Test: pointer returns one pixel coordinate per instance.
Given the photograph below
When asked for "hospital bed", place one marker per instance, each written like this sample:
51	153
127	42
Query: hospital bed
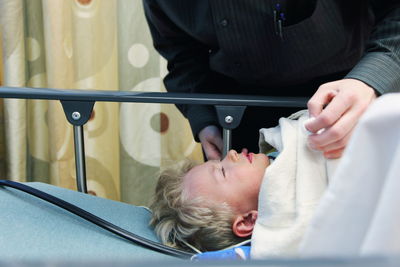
35	231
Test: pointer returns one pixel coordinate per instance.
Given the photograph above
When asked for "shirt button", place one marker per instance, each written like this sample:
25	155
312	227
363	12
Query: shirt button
224	22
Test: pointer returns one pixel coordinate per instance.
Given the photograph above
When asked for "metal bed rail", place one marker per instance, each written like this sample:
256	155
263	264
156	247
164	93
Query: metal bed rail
78	105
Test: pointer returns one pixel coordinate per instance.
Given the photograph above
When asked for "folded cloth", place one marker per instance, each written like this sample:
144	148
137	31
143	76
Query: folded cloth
291	188
359	215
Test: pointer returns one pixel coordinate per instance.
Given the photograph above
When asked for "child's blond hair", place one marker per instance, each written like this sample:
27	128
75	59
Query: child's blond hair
179	220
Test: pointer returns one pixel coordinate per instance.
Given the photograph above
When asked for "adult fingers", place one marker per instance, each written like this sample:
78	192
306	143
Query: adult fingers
332	112
212	152
334	134
335	154
218	142
339	144
322	97
211	142
213	146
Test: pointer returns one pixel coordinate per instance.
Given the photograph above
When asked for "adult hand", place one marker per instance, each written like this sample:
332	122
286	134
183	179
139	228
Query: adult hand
344	101
211	141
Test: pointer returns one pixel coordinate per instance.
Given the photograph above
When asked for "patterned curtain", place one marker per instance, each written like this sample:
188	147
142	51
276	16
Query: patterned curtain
86	44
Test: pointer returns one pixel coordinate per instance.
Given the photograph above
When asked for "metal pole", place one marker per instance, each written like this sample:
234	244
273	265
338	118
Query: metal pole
227	139
80	159
150	97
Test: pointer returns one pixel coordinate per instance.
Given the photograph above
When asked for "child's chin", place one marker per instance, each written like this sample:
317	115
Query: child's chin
263	157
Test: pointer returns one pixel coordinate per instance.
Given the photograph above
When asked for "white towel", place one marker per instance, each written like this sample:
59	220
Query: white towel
359	214
291	189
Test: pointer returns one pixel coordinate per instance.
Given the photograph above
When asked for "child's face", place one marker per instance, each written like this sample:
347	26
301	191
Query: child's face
235	180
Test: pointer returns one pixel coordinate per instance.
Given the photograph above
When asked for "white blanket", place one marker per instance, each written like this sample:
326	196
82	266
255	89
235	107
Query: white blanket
359	215
291	189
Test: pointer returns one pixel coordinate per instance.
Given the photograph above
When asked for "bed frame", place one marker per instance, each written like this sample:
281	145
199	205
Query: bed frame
78	106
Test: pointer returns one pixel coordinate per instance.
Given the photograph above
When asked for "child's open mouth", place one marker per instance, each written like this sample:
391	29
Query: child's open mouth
249	156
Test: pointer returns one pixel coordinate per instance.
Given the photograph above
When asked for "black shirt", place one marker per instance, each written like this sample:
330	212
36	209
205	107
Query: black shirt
232	46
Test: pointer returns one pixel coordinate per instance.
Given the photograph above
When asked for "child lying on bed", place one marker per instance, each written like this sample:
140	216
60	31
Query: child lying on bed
218	204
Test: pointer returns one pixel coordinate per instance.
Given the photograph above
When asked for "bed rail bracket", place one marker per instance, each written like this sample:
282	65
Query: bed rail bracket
229	117
78	113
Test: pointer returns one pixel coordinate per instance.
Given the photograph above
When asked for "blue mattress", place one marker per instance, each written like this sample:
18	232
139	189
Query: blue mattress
32	229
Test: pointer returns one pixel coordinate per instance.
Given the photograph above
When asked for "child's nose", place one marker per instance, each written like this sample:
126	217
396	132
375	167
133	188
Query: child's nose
233	155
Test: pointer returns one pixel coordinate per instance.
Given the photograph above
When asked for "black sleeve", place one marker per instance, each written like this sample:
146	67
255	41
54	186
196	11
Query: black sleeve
188	64
380	65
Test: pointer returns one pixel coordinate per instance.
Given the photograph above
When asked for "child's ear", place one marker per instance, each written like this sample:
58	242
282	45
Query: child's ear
243	224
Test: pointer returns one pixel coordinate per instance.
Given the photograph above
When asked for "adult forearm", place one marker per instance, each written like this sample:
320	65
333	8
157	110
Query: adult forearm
380	66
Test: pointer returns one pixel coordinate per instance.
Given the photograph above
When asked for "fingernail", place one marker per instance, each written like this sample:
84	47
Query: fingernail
312	146
330	155
306	122
310	119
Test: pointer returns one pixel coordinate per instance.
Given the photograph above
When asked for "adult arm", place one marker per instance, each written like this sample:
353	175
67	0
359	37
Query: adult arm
188	71
378	72
380	66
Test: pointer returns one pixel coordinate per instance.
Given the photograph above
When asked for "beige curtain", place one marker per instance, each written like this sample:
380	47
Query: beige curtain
86	44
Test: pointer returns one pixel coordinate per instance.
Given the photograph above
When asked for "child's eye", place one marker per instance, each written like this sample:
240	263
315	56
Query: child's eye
223	171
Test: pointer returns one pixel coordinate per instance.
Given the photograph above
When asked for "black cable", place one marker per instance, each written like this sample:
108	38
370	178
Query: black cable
98	221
